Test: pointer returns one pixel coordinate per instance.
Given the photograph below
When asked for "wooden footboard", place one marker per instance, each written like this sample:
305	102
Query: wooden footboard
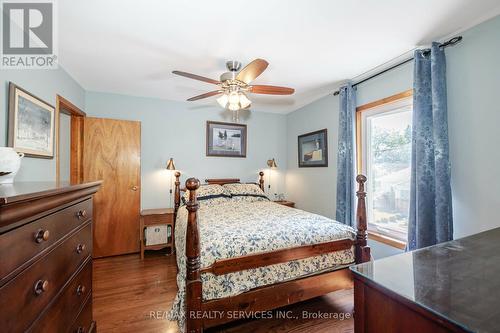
268	297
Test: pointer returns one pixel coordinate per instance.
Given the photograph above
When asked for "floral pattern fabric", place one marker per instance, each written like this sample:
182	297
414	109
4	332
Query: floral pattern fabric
246	192
209	195
431	214
345	211
238	228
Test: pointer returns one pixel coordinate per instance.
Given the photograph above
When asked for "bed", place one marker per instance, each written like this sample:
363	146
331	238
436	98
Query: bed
239	257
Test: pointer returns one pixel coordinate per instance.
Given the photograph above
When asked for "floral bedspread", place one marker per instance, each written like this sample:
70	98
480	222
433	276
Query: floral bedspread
234	229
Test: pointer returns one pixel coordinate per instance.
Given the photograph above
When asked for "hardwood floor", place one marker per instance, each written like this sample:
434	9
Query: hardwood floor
131	295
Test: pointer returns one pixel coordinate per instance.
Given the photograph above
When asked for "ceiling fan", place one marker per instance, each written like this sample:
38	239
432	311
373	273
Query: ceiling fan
235	85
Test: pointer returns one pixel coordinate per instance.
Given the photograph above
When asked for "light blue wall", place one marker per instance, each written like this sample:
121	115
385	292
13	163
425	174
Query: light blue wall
313	189
177	129
45	84
473	69
390	83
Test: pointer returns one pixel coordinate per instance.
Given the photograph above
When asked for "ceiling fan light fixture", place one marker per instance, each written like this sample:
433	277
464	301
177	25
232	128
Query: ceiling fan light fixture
234	101
234	97
223	100
233	106
244	101
235	85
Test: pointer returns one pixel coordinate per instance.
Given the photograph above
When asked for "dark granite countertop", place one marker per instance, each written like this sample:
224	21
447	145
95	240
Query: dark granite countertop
458	280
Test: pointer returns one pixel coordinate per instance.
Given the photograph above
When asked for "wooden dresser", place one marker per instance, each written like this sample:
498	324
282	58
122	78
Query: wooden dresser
46	257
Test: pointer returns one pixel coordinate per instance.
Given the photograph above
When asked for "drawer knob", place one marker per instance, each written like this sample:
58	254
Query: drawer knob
41	286
42	236
80	290
81	214
80	248
80	329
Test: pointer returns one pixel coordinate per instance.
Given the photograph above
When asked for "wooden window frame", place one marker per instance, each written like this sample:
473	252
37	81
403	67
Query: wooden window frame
359	158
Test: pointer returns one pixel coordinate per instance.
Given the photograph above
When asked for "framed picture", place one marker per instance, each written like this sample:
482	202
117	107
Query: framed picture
313	149
226	139
31	124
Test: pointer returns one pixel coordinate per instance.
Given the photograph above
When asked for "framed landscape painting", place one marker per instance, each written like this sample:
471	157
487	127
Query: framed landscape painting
31	124
226	139
313	149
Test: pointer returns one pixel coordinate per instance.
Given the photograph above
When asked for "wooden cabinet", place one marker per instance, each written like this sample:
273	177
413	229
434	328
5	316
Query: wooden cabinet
285	203
160	218
448	287
46	265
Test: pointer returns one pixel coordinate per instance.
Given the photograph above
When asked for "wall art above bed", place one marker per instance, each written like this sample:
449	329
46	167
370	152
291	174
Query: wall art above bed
31	124
313	149
226	139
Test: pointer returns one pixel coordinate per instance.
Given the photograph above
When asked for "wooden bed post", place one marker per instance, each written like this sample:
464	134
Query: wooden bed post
362	250
194	323
177	194
261	181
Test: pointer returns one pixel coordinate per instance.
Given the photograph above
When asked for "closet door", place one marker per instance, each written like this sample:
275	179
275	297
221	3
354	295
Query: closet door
112	153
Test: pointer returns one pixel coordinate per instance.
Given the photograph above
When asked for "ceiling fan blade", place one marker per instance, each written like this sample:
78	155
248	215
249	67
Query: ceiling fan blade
271	90
252	70
196	77
205	95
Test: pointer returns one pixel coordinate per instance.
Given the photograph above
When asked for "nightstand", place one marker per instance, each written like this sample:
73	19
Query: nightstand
285	203
157	230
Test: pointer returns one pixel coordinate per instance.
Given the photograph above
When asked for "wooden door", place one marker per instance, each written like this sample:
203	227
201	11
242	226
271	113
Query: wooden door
112	152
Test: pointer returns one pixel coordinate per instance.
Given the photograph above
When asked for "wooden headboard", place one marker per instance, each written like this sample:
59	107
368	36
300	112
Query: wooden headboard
222	181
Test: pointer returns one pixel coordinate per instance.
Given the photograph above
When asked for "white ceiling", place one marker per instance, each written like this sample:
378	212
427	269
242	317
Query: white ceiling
131	47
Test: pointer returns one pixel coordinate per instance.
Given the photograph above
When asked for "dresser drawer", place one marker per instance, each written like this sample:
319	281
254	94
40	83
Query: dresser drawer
84	323
63	312
29	241
34	288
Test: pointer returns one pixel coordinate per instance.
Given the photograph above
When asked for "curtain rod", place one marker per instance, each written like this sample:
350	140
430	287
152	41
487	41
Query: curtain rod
450	42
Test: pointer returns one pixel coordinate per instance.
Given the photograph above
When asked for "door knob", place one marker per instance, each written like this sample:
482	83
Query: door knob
134	188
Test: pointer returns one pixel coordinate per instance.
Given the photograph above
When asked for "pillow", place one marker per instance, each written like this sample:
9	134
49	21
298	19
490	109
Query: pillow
209	194
246	192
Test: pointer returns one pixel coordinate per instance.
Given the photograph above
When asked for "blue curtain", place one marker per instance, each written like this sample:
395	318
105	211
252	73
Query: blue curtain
430	219
346	156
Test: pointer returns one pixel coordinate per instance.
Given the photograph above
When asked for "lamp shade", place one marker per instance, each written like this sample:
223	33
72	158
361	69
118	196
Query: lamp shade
272	164
222	100
170	164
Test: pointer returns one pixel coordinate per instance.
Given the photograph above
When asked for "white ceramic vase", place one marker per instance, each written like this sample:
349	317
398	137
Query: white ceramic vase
10	162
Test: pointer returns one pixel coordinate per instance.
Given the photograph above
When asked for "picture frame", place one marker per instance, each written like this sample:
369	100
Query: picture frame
313	149
226	139
31	124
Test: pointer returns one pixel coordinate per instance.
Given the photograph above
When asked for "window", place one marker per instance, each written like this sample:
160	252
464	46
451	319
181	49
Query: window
384	153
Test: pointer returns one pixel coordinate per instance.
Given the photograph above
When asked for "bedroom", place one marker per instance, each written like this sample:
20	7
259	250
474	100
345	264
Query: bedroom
118	114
